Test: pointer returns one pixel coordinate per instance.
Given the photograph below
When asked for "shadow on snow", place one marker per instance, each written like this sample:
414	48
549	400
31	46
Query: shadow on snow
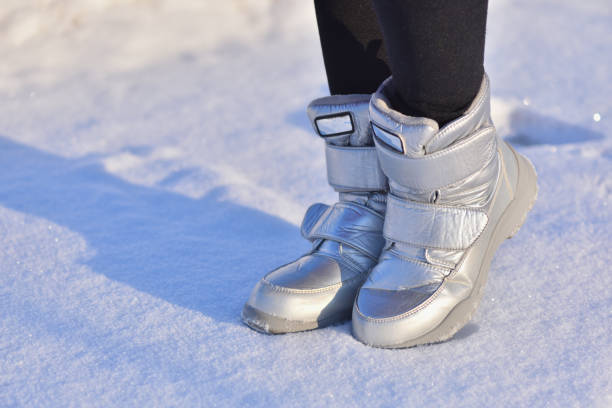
204	254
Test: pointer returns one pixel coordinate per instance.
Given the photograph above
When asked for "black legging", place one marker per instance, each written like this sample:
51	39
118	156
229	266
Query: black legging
434	48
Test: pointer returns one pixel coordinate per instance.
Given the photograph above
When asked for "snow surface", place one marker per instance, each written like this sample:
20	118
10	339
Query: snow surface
156	161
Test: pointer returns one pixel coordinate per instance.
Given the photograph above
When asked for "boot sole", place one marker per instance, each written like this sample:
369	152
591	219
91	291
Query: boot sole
510	222
269	324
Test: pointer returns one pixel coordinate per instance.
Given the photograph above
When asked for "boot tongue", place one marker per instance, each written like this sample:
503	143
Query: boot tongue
342	120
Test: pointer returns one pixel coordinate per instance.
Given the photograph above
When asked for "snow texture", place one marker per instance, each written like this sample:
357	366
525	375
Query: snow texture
156	162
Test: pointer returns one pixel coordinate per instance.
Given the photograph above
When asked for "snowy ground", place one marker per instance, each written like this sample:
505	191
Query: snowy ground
156	160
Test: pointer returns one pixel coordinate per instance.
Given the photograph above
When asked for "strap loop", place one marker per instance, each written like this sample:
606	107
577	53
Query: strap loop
348	223
431	225
354	169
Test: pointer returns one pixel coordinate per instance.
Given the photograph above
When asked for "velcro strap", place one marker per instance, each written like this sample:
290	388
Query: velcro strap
433	226
441	168
313	213
351	224
354	169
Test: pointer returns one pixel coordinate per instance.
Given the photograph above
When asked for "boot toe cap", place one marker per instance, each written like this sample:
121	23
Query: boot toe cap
382	303
308	293
396	318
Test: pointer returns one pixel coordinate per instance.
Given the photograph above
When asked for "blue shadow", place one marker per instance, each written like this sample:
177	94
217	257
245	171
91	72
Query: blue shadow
204	254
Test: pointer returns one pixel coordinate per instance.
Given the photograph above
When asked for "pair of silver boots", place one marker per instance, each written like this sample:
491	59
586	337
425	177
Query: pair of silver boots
407	248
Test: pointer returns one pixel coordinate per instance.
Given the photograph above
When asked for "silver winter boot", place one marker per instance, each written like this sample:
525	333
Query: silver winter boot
320	287
455	194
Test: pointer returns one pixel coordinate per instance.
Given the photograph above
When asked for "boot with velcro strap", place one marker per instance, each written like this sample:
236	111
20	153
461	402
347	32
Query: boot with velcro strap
319	288
455	194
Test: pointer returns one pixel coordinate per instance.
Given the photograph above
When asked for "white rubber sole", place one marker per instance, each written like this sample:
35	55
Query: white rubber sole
269	324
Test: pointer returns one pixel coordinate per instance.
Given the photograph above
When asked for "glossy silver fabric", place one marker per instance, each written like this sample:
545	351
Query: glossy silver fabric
354	169
312	216
416	273
319	288
306	305
442	226
350	224
432	225
347	239
442	168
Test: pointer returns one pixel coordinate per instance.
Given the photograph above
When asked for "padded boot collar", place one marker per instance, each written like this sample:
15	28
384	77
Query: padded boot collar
415	154
413	136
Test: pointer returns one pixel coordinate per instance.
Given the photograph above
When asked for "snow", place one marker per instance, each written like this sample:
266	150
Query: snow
156	162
